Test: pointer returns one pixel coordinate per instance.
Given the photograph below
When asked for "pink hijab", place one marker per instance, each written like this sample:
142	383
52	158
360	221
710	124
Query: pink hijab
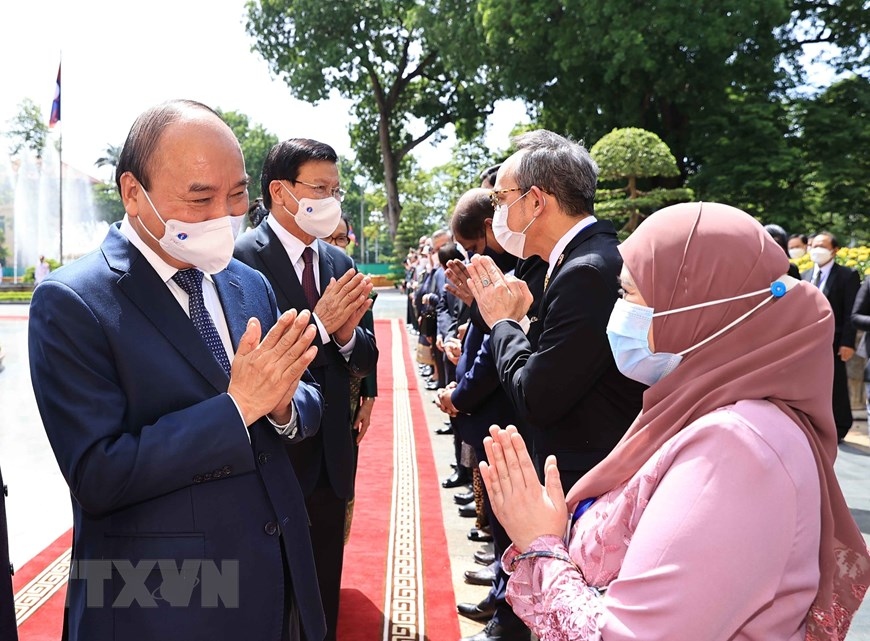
697	252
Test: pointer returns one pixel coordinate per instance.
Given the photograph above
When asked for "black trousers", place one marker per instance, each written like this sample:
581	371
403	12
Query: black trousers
842	404
327	512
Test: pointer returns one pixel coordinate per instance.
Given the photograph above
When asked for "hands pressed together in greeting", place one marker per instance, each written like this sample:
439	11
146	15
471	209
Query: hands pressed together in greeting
343	304
525	508
265	375
498	296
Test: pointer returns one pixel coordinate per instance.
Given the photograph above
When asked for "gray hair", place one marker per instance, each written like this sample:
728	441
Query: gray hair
559	166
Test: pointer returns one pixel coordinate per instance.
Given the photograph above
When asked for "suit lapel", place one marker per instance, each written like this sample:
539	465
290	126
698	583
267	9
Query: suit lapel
280	270
141	284
232	298
326	268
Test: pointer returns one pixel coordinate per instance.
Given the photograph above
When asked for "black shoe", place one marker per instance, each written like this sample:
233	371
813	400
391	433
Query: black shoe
468	510
495	632
463	498
484	557
459	477
483	576
444	430
481	535
482	611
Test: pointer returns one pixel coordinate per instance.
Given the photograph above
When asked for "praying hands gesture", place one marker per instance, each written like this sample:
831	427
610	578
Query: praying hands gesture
498	296
343	304
265	374
456	283
521	504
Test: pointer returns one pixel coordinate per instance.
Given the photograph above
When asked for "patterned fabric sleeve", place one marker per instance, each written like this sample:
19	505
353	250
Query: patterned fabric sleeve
551	596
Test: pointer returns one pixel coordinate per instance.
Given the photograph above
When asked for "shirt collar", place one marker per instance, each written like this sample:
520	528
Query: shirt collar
827	267
292	245
567	238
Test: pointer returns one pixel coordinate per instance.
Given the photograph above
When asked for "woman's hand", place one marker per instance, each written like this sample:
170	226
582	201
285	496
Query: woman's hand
522	505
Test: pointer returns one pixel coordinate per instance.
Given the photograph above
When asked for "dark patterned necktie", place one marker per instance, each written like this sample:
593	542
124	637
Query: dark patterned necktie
308	284
817	277
190	281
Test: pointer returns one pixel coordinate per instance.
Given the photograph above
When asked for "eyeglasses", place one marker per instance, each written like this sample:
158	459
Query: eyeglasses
496	194
340	240
322	190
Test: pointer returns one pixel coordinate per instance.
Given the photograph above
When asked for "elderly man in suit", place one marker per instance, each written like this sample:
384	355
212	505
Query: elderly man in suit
840	285
167	413
301	190
563	382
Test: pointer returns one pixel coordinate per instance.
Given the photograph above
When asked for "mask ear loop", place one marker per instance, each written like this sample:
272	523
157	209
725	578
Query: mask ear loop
777	289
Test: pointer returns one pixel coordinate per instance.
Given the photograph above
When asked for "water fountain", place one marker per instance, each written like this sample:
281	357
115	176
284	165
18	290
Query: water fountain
34	186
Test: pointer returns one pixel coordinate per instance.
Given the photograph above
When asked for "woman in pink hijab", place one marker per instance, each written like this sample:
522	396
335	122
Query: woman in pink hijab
718	515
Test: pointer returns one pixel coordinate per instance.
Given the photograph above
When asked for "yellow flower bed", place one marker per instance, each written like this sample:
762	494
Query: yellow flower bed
858	258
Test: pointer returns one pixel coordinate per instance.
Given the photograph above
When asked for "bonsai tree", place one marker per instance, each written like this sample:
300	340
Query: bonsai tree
626	155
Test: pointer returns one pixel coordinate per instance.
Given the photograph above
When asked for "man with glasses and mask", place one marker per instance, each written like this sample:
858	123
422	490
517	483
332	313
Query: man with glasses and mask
167	413
300	187
562	379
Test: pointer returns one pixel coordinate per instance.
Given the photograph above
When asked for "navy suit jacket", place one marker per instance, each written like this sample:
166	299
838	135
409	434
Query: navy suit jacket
157	458
478	394
333	445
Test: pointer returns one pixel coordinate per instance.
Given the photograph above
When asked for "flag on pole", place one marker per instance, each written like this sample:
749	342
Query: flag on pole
350	235
55	106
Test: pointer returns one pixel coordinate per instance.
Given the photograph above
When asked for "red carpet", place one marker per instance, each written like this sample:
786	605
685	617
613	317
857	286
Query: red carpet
366	563
396	560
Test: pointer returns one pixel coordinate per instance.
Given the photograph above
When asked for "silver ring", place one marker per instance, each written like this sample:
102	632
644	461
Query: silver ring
485	282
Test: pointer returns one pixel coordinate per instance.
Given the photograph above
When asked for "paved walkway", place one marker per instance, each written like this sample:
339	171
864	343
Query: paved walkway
38	504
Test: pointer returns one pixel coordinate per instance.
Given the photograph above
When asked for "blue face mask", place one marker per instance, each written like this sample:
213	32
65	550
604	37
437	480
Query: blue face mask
628	333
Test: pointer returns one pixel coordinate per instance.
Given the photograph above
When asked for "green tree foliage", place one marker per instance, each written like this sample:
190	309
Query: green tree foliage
108	202
109	158
748	157
624	155
407	66
4	250
255	141
835	141
27	130
600	65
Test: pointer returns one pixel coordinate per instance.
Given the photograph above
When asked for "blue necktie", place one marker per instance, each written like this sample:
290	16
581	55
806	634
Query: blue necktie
190	281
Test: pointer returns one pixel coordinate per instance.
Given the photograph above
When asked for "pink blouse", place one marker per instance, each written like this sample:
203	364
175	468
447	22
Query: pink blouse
715	537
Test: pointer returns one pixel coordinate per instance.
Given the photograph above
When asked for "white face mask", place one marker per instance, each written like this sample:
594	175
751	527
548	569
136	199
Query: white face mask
628	333
513	242
316	217
821	256
207	245
797	252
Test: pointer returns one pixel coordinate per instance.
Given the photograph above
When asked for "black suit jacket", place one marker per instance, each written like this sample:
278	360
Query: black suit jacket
333	445
840	288
563	380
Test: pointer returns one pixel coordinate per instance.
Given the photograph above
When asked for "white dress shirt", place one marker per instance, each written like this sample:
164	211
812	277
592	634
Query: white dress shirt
212	304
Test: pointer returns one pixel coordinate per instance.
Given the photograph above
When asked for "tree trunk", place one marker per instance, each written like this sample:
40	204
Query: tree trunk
391	173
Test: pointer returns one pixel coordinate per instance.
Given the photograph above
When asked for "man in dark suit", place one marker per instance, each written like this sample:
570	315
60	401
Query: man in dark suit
300	186
565	384
840	285
478	401
167	414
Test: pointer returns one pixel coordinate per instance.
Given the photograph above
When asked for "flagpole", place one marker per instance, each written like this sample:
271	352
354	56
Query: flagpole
60	193
60	172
